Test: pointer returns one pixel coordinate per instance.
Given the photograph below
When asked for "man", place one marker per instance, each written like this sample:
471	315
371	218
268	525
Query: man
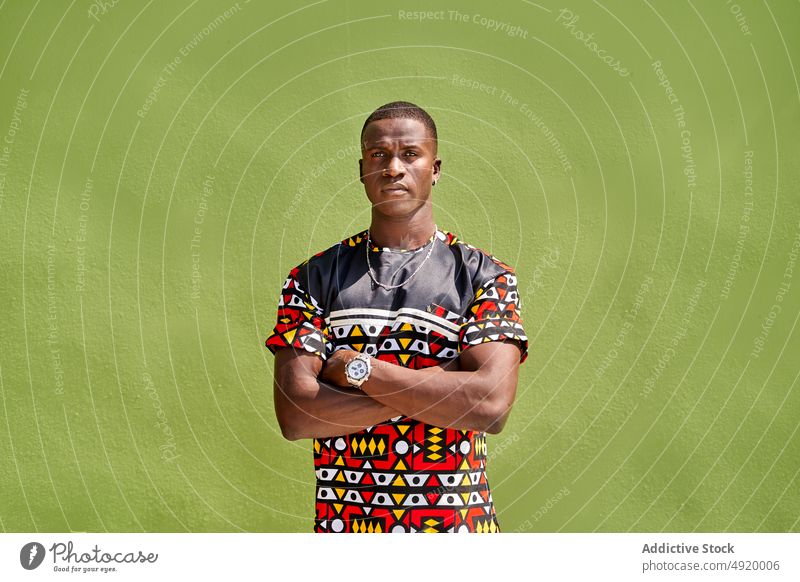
389	352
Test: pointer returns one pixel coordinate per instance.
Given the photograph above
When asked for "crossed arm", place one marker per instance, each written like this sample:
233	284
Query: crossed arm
474	392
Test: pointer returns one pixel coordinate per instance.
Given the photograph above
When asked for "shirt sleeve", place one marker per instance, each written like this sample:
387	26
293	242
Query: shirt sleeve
300	319
494	315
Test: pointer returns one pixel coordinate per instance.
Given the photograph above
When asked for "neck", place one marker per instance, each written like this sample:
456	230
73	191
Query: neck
407	232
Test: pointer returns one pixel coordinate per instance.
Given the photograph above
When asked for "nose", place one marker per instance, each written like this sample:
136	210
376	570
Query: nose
394	168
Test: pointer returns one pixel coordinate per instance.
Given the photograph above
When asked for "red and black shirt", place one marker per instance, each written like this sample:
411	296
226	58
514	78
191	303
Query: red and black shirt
401	475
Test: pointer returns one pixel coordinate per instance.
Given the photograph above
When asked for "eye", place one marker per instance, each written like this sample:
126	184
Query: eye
411	153
376	154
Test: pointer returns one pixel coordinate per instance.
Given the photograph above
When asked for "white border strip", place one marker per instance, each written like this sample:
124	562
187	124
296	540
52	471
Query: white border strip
334	558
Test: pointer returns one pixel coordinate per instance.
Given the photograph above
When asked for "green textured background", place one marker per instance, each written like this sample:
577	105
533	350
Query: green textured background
660	393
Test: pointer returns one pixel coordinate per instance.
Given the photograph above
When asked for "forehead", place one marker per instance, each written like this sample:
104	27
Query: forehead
397	130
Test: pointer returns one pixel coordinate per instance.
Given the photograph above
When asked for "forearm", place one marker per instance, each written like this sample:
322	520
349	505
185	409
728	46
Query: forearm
455	399
325	411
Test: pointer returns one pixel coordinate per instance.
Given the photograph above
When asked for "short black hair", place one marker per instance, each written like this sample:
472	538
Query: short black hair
402	109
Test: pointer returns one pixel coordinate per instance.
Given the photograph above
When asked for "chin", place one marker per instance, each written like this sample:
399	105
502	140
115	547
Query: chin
395	204
397	208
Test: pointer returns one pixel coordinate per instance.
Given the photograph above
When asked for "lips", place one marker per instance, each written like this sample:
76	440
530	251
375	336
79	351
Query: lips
395	189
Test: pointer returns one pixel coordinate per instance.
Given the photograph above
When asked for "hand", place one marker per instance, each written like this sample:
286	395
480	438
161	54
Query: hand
333	370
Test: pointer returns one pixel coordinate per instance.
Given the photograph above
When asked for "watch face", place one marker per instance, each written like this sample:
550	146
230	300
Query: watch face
357	369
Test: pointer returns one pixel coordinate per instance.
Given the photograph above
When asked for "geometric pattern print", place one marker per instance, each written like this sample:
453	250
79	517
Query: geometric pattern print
300	323
494	315
403	476
407	337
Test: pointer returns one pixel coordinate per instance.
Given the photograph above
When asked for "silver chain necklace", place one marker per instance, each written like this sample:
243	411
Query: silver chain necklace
411	276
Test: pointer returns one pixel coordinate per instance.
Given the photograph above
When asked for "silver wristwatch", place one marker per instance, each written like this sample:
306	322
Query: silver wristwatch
357	370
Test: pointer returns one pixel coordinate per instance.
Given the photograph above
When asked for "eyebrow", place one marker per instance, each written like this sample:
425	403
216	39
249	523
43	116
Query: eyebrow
405	145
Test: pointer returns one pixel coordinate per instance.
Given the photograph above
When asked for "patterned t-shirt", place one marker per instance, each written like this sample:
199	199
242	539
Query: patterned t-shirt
401	475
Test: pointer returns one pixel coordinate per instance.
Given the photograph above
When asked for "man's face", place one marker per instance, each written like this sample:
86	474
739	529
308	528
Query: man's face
398	165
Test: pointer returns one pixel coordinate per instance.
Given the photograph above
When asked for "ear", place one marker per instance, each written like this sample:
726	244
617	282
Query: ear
437	168
361	171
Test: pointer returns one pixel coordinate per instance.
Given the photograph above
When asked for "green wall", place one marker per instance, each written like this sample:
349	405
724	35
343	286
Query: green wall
164	164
